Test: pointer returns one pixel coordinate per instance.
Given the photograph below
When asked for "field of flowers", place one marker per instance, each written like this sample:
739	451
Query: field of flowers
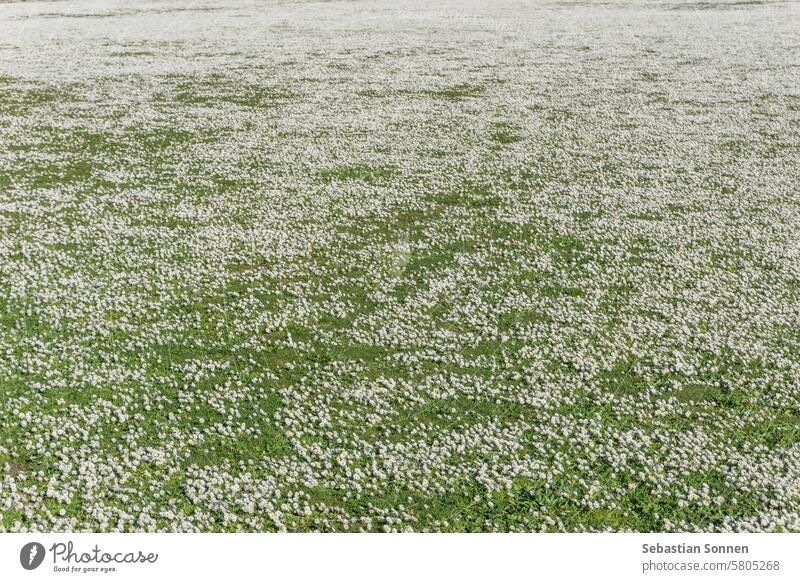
400	265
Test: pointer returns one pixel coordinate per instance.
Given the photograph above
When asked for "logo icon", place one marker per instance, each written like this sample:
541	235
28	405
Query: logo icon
32	555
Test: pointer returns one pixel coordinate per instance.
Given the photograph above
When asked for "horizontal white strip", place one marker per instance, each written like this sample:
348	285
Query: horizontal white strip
374	557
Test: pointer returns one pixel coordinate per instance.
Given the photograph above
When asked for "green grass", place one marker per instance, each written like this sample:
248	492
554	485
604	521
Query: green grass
495	312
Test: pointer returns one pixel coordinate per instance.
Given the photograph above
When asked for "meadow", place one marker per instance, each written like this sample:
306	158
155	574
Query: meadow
399	266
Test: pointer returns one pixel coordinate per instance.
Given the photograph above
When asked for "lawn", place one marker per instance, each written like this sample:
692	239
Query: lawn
399	266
